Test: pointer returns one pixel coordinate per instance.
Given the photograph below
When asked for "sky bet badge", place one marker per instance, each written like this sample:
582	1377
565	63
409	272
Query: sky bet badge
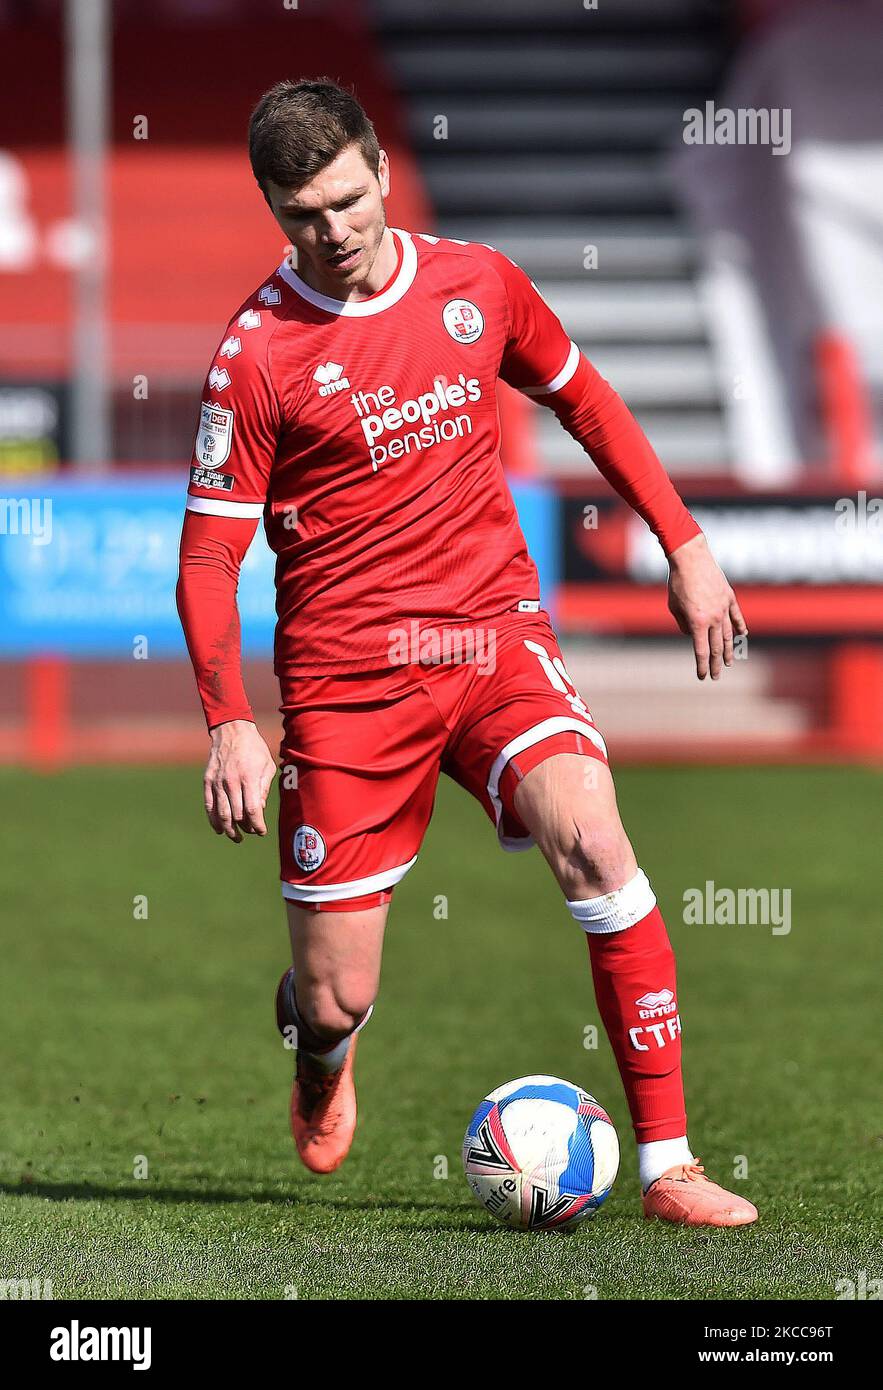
215	435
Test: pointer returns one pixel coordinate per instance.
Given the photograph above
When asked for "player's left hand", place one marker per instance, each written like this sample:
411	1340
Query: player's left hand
704	606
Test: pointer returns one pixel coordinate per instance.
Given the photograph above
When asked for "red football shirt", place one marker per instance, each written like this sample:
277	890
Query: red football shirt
367	435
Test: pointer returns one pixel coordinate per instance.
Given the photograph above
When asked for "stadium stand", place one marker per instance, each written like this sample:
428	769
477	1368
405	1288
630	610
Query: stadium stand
557	126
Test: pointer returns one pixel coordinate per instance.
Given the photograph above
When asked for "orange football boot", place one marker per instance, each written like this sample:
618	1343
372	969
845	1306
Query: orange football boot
323	1112
685	1195
323	1104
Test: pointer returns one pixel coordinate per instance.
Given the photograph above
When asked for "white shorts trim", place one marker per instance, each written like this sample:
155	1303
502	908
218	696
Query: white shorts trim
209	506
558	381
355	888
558	725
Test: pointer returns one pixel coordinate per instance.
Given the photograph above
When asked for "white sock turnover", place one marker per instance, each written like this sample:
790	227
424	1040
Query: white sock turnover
659	1155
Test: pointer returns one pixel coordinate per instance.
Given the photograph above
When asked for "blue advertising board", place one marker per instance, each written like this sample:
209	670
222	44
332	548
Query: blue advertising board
88	566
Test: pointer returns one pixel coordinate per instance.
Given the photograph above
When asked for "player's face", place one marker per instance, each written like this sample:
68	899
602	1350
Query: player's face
336	221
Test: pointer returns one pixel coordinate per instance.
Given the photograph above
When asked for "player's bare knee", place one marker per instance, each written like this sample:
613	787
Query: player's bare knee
598	859
334	1011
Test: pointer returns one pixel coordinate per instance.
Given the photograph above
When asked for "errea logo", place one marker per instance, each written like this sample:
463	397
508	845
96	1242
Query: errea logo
656	1003
331	379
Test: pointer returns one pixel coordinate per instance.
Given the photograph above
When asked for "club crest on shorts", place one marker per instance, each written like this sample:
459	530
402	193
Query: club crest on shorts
309	848
463	320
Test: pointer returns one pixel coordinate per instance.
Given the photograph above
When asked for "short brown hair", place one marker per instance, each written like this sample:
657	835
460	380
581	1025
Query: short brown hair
297	128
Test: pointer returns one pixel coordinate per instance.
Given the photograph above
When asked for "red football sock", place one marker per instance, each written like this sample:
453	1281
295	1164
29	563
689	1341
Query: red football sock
634	975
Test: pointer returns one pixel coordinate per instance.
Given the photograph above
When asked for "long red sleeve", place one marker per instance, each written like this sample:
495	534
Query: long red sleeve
599	420
212	550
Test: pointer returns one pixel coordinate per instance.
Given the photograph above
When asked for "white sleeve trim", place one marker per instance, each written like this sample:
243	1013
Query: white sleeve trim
211	506
558	381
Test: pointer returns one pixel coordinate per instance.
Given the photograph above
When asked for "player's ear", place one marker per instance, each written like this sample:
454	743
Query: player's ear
383	173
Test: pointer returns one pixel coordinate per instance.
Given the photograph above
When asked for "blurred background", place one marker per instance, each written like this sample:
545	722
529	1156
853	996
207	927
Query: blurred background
697	189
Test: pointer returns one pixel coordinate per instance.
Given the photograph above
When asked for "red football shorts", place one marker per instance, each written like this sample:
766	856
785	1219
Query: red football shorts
362	752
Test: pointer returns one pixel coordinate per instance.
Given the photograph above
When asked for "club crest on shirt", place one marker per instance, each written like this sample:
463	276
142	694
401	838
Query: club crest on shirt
214	437
463	320
309	848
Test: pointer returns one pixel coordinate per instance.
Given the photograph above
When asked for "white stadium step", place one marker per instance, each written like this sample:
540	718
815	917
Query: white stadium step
605	665
658	376
598	183
695	717
559	119
691	443
556	246
664	311
646	690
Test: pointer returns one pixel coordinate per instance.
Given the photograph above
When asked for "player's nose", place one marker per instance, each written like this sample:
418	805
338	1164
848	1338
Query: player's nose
334	233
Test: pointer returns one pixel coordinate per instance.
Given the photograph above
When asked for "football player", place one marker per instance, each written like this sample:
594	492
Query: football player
352	405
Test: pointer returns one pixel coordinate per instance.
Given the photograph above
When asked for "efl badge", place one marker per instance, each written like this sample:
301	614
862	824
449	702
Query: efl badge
309	848
463	320
215	435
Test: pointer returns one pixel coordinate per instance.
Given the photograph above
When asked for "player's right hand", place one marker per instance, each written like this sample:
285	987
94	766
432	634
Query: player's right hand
238	777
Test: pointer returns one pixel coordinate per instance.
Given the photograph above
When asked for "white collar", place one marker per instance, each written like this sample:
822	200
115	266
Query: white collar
360	308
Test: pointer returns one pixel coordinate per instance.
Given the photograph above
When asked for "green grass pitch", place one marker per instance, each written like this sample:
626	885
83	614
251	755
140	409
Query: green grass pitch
143	1092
